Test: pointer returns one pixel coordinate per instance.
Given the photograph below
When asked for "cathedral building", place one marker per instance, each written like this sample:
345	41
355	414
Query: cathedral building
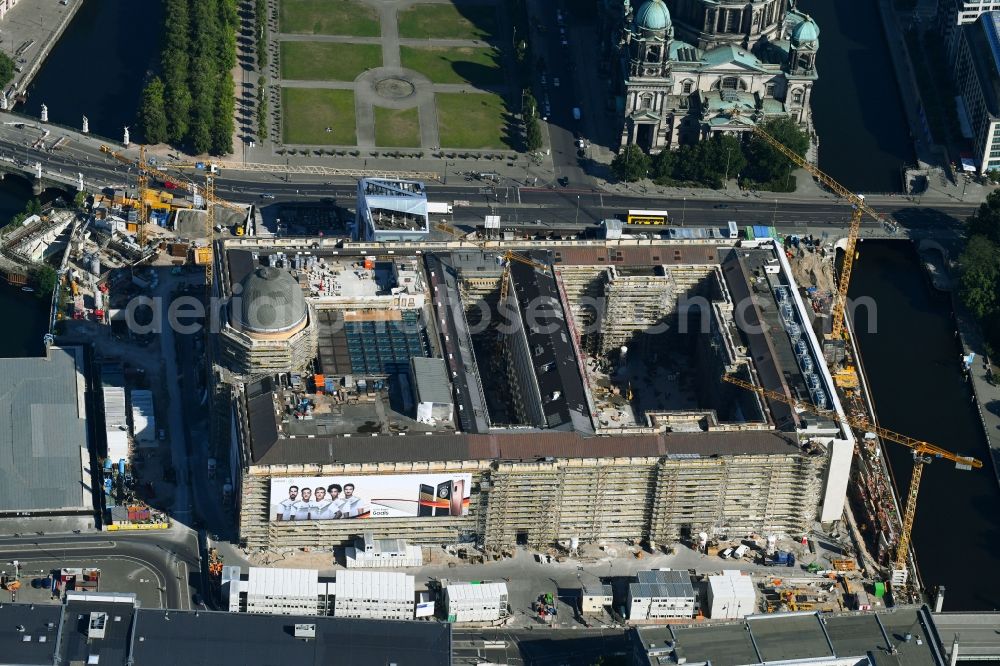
694	67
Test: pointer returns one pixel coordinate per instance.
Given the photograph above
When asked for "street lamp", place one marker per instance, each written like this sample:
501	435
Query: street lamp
577	219
774	213
684	211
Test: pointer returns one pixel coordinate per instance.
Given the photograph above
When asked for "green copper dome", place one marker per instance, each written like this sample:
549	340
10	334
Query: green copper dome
652	15
807	31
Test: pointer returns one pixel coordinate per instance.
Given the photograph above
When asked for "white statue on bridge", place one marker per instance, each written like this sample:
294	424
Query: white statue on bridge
126	137
86	125
45	114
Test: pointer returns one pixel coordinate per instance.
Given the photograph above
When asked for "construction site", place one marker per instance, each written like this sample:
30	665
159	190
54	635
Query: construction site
583	395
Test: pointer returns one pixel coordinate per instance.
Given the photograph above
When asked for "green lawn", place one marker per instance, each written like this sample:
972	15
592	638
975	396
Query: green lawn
471	120
320	61
397	128
328	17
446	21
307	112
477	66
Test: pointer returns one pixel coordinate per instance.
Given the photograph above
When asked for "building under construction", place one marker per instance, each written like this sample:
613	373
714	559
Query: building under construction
587	396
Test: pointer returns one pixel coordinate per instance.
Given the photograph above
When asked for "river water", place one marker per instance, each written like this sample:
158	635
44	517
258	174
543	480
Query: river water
912	364
99	66
857	112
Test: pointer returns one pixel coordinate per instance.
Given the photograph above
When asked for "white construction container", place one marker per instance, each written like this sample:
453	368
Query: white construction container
374	594
476	602
731	596
143	418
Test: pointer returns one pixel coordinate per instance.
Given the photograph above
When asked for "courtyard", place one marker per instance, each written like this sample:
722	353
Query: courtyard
396	74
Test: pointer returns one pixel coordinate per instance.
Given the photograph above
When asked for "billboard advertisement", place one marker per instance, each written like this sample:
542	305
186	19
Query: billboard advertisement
382	496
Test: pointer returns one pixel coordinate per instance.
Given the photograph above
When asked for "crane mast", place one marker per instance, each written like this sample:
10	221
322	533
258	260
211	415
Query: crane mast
923	453
143	186
857	201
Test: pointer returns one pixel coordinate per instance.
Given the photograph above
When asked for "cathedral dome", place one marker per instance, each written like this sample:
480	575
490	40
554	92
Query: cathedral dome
806	31
652	15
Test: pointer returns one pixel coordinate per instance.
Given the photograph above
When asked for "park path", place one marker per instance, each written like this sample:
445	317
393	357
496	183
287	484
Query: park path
390	35
367	92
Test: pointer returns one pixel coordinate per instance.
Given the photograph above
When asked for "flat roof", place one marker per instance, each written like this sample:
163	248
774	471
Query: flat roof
114	647
663	584
43	433
38	642
723	645
270	448
201	637
431	379
797	637
277	583
552	355
789	637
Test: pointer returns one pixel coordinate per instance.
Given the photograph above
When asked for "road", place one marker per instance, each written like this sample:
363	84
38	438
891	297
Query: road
171	555
513	200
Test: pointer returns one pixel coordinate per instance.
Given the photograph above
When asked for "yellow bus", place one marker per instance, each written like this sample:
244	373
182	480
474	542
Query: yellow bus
648	217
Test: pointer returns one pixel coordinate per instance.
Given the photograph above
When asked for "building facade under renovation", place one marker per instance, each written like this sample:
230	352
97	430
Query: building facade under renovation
568	423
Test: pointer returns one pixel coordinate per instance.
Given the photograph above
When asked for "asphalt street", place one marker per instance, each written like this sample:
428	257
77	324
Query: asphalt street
171	555
514	201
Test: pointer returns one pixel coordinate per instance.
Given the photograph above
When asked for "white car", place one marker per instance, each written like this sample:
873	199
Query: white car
555	82
580	144
564	42
544	80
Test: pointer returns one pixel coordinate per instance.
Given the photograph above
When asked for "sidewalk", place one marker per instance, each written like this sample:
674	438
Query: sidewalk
987	395
36	22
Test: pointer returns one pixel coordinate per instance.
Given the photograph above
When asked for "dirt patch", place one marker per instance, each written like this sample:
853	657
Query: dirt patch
813	269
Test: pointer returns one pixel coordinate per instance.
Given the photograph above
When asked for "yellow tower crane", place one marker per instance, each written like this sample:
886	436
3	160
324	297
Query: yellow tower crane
143	183
860	210
923	453
145	171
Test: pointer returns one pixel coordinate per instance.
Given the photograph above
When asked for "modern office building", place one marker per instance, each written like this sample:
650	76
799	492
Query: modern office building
391	210
953	14
977	79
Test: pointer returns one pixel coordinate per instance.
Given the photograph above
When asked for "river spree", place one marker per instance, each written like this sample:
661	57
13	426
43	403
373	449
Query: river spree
912	364
99	66
864	140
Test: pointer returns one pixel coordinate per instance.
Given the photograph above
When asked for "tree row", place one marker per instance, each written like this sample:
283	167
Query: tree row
191	103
